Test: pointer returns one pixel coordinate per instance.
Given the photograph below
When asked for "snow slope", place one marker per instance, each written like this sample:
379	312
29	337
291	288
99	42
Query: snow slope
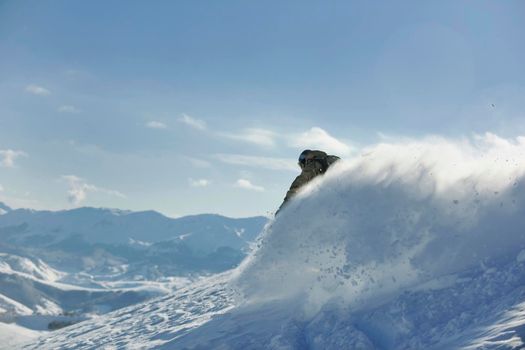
38	269
153	323
11	336
106	268
32	296
417	244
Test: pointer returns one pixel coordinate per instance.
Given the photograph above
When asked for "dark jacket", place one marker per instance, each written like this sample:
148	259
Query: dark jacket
315	164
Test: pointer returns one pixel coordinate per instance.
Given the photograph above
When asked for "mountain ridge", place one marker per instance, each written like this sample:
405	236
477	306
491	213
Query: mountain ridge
105	225
4	208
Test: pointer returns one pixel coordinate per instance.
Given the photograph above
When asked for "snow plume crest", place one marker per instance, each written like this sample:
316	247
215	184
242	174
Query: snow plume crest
396	216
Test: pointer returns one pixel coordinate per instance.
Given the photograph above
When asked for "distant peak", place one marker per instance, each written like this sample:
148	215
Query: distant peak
4	207
112	211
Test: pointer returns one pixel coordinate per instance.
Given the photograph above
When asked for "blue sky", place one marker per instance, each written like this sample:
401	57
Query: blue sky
189	107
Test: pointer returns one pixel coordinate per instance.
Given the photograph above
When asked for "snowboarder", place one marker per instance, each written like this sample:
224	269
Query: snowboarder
313	163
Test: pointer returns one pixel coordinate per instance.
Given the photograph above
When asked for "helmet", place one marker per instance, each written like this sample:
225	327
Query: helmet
302	158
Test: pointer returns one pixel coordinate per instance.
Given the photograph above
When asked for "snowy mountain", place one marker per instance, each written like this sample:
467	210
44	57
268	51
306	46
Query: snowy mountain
59	268
11	264
417	245
32	298
204	233
139	245
32	287
4	208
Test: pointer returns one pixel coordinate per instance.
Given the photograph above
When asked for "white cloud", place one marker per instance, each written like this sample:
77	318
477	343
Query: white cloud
79	189
193	122
199	182
68	109
314	138
8	157
1	188
259	162
319	139
247	185
156	125
37	90
260	137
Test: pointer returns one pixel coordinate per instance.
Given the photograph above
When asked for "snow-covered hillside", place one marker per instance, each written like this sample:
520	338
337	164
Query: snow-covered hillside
4	209
128	245
58	268
32	296
411	245
38	269
12	335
